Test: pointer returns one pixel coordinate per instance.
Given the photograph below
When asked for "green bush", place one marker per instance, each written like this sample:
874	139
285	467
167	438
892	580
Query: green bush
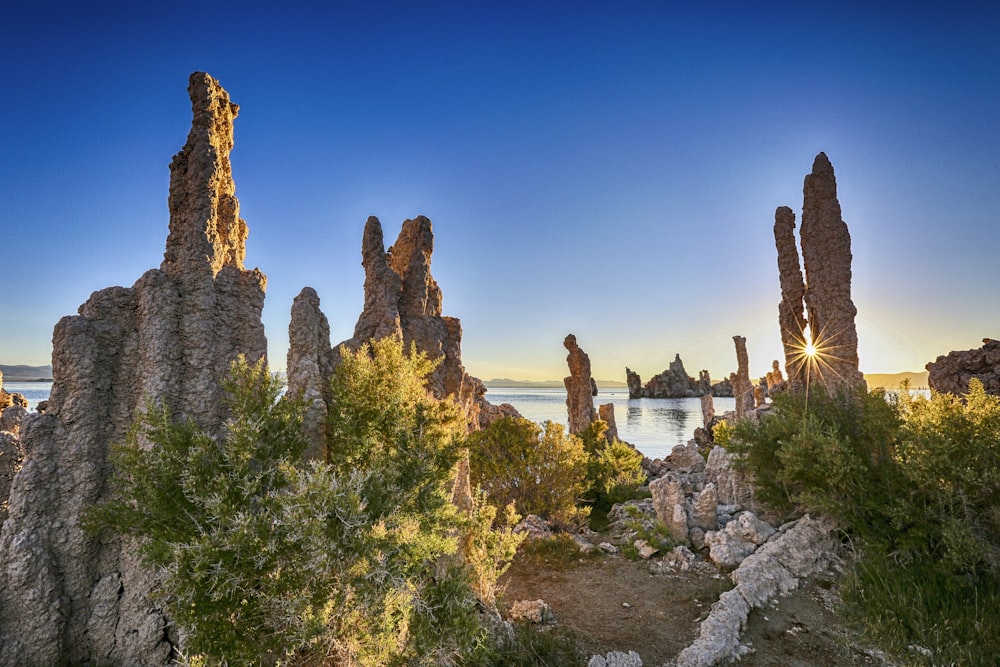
264	559
823	452
488	546
614	469
916	483
541	472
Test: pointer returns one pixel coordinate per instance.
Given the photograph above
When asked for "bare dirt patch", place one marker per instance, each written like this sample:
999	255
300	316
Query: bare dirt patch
614	604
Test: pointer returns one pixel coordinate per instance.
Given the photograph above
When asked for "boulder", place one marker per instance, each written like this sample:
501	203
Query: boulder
951	373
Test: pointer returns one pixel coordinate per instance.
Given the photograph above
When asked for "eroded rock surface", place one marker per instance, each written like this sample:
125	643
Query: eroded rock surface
951	373
402	299
67	596
796	551
742	387
579	397
826	288
309	366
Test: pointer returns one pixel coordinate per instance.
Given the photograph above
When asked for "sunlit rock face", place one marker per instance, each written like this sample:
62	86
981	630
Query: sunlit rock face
67	596
825	290
742	387
952	372
579	395
402	299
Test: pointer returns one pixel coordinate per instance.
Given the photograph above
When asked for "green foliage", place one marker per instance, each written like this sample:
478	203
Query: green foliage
264	559
541	473
822	452
614	469
488	546
529	646
916	482
651	531
559	549
949	448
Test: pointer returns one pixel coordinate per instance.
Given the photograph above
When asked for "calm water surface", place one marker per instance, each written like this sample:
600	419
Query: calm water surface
653	425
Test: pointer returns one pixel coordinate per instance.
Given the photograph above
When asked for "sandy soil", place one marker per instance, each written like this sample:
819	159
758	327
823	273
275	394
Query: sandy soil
614	604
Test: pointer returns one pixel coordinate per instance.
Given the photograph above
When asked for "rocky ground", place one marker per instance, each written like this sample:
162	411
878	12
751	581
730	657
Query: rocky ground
615	604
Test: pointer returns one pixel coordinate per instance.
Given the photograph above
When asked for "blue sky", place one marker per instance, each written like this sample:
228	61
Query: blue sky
605	169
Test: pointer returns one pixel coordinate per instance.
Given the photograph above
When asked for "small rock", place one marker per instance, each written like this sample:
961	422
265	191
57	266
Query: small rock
616	659
607	548
646	551
532	611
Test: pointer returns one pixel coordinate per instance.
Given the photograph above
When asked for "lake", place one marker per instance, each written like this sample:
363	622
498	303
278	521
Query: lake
653	425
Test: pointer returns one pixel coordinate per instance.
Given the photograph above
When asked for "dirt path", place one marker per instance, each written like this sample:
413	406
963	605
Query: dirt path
614	604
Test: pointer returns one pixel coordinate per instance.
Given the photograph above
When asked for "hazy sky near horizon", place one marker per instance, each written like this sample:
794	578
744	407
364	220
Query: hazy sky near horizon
605	169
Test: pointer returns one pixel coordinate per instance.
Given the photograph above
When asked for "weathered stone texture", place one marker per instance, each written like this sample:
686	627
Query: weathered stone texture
951	373
579	398
826	257
791	310
309	366
634	383
67	596
403	300
825	290
742	387
606	411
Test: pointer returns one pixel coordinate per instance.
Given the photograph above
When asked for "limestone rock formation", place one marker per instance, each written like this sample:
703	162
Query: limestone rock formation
951	373
67	596
774	379
606	412
309	366
742	387
634	383
11	456
826	289
791	310
796	551
402	299
8	400
579	399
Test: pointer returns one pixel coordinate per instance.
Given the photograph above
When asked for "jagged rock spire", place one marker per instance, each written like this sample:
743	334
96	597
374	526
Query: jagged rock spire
791	310
68	596
579	396
826	290
206	231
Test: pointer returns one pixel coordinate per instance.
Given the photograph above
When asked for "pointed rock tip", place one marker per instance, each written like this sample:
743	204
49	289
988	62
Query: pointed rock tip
569	342
822	164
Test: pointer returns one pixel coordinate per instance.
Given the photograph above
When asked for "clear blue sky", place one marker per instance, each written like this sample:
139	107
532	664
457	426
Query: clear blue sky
606	169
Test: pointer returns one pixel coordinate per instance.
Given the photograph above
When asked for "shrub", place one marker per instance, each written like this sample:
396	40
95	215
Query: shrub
823	452
614	469
916	482
266	559
540	472
488	546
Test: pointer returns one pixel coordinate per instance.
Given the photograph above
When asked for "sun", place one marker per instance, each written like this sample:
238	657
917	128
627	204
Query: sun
810	350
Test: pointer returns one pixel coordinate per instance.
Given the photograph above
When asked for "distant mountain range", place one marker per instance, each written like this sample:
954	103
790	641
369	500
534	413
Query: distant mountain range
26	373
893	380
545	384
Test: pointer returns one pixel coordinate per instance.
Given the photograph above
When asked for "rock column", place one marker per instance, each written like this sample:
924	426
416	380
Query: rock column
66	595
579	399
